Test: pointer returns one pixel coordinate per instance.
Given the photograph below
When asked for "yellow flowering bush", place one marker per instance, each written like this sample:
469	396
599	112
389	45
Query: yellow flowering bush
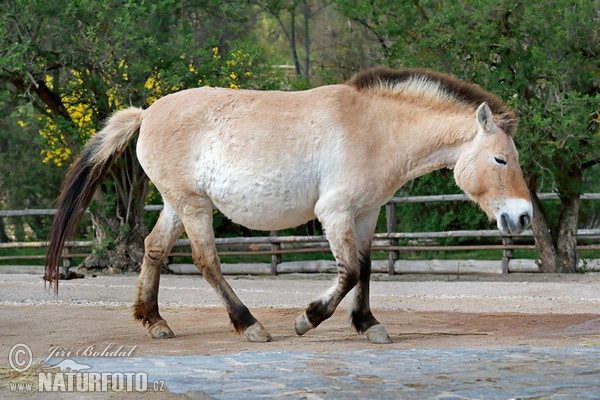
58	148
235	69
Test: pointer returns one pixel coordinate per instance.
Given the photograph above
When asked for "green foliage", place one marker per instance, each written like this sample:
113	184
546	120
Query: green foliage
25	181
76	62
558	139
70	65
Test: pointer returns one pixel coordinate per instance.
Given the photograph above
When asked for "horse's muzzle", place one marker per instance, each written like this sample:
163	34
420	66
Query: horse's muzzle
515	216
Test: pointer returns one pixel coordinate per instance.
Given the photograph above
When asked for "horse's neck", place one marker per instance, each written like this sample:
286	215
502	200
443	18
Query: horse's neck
431	140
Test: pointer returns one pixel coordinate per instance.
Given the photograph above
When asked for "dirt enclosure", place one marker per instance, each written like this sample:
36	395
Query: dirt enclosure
207	331
422	314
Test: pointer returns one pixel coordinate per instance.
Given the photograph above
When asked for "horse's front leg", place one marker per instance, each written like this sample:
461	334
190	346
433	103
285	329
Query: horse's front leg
362	318
339	229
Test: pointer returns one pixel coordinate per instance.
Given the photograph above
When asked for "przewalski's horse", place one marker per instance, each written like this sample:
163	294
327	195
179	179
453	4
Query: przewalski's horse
273	160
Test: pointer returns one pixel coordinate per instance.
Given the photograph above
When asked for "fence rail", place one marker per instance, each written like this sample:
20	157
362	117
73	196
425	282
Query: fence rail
276	245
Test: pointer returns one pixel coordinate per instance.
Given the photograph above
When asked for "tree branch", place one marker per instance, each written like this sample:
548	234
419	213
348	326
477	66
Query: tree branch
297	67
380	38
282	26
590	163
51	99
275	14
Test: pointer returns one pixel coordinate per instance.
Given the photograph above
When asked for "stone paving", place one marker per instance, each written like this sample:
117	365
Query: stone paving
503	373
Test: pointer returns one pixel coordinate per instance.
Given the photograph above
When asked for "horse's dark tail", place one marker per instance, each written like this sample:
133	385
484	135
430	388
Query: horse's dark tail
83	178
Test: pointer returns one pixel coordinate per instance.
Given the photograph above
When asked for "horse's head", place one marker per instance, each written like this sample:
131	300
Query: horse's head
489	172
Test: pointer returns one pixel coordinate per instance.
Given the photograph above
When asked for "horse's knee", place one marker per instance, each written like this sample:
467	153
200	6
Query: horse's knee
153	253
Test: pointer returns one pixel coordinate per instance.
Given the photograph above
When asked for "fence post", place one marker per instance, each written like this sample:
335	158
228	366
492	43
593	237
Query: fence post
66	261
507	254
275	258
391	225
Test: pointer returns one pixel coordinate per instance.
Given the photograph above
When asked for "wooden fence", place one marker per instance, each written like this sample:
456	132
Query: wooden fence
276	245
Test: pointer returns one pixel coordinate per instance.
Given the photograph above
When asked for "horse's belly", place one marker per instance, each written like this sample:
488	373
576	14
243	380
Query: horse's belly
263	201
257	216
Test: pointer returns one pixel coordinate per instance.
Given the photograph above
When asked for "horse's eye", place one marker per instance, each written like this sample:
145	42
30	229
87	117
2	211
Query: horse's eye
500	161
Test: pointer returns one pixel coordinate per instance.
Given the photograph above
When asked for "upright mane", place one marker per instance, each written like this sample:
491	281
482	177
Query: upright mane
437	85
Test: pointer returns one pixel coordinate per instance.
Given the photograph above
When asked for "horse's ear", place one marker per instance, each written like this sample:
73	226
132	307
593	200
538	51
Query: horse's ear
485	119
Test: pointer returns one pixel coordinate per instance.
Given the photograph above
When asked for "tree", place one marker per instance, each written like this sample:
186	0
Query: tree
25	181
286	14
548	74
77	62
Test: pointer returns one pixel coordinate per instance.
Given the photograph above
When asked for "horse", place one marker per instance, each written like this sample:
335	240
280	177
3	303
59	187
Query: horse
271	160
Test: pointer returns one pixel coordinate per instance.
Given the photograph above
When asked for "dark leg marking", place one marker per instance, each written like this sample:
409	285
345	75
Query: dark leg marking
147	313
240	317
362	317
145	308
319	310
157	246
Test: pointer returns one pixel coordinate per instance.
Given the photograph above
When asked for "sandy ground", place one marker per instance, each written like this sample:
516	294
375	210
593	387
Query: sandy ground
419	312
206	331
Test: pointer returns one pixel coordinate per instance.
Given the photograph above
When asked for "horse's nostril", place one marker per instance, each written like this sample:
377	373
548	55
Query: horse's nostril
524	220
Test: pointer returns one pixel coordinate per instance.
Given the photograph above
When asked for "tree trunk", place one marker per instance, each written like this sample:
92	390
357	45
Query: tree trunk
293	42
542	235
556	246
117	251
3	235
117	215
306	15
566	242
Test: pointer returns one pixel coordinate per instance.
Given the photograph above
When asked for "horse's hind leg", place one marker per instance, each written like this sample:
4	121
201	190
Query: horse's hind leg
158	244
362	318
197	220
